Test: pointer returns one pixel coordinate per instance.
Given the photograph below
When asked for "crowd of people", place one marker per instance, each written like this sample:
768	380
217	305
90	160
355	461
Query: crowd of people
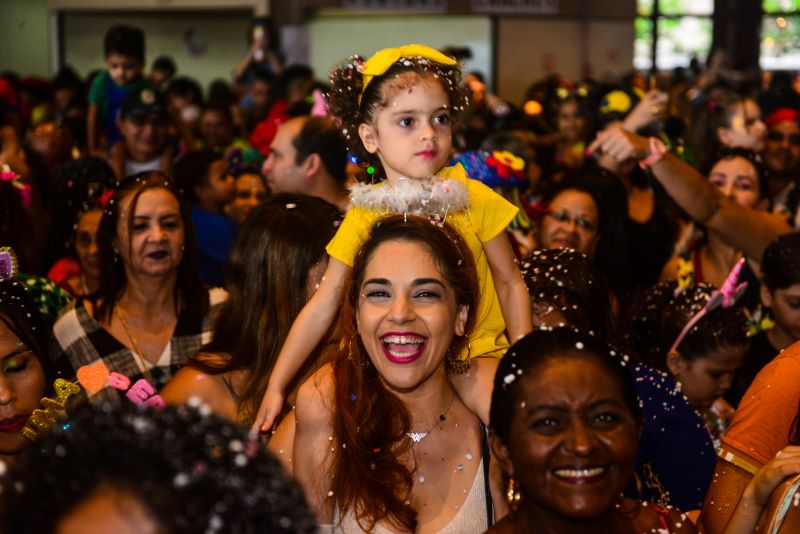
391	301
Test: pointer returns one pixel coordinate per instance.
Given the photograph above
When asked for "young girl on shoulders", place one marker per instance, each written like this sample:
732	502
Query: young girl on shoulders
396	110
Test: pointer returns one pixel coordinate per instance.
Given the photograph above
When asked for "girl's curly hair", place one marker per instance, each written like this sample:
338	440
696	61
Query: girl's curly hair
350	111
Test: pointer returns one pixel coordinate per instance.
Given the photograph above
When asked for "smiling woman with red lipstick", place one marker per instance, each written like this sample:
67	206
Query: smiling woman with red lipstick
565	422
382	443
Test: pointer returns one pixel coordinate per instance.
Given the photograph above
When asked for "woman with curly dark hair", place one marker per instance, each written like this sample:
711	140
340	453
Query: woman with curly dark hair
173	470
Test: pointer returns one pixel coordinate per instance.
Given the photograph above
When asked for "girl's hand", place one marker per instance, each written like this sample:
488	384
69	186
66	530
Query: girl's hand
271	406
785	463
620	144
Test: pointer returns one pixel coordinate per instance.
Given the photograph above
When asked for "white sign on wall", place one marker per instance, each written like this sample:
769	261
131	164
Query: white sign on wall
397	5
536	7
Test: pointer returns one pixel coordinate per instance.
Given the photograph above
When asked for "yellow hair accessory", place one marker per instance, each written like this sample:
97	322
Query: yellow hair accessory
616	101
685	273
380	61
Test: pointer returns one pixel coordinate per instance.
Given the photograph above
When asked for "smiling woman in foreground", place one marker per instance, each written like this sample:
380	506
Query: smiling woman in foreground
383	443
565	421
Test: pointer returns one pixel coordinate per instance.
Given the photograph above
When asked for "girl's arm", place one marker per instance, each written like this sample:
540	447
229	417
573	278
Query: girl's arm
758	492
746	229
307	330
241	68
511	290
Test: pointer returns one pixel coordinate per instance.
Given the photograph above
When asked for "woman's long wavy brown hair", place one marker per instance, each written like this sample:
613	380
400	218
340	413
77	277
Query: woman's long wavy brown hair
267	287
369	421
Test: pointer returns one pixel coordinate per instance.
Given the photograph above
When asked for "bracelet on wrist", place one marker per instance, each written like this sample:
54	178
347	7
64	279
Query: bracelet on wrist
657	151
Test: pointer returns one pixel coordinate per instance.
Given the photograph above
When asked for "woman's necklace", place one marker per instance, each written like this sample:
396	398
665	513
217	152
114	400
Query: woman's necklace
416	437
136	350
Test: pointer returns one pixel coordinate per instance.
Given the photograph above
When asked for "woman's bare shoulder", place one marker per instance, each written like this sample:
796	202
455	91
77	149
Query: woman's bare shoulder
191	382
315	399
646	518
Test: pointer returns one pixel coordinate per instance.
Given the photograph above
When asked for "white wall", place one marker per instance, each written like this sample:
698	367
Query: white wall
333	38
529	49
224	34
24	37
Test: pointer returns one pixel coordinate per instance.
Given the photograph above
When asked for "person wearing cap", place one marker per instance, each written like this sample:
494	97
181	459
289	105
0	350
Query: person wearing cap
143	121
782	156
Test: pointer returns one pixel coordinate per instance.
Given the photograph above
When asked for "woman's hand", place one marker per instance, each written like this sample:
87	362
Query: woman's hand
271	406
785	463
620	144
649	109
759	490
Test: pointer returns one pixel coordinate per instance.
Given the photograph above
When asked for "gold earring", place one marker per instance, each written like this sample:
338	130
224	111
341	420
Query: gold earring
512	494
456	366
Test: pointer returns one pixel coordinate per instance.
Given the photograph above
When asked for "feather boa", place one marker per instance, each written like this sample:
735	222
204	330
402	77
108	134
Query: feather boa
434	196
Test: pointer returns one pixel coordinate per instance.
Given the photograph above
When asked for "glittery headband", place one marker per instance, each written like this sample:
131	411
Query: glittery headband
381	61
726	296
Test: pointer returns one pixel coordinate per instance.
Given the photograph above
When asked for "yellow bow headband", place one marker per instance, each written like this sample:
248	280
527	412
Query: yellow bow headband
380	61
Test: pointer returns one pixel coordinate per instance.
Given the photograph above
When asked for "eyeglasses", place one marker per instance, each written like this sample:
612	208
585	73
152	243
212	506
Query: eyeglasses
778	137
583	223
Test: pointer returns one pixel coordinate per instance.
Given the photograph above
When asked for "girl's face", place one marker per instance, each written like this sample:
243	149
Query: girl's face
571	222
573	439
746	130
155	244
22	386
250	192
407	314
412	134
86	243
704	380
785	306
570	122
736	178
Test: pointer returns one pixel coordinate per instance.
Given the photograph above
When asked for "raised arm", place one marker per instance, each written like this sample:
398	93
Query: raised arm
743	228
512	293
307	331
